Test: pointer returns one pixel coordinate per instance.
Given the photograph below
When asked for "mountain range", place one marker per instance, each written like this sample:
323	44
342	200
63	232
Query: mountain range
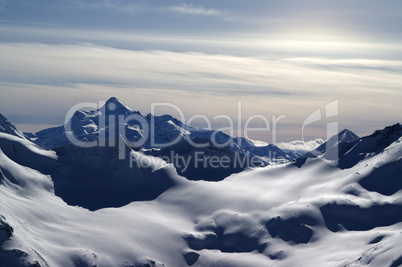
86	206
161	135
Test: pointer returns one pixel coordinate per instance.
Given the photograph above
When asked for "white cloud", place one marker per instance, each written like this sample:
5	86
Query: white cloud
190	9
301	145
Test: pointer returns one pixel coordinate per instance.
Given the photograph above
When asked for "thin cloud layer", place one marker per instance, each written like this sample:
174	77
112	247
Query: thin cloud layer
293	87
190	9
232	75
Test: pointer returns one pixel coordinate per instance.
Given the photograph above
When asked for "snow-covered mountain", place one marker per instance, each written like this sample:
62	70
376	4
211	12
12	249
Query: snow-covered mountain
343	136
103	123
160	136
7	127
346	149
114	119
159	132
315	214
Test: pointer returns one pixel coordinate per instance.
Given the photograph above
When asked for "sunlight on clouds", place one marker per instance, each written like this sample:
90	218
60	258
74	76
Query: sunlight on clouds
367	90
69	64
272	45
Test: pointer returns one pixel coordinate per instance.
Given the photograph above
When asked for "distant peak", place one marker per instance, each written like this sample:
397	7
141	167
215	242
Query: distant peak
343	136
114	101
114	105
345	131
347	135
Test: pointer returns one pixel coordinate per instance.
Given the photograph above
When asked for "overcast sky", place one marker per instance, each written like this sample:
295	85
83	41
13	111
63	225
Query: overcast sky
278	57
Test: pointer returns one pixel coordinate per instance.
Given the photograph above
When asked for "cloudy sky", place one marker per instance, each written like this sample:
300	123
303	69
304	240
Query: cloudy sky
278	57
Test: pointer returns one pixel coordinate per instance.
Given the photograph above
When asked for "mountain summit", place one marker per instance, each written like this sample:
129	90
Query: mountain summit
341	137
115	106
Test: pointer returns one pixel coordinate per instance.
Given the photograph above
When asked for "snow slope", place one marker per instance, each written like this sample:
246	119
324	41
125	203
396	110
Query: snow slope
316	214
7	127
